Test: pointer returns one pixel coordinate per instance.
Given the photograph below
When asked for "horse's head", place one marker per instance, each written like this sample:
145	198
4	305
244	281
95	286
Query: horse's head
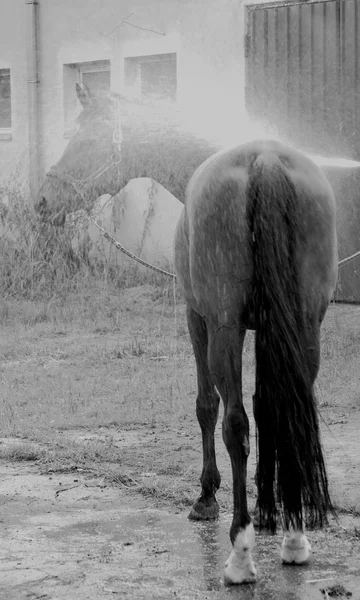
89	165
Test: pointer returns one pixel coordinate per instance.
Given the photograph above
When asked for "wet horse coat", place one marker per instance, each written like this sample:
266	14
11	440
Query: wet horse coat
256	248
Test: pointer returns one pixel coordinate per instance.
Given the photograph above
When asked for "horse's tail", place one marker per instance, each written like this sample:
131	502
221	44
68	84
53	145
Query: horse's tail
291	467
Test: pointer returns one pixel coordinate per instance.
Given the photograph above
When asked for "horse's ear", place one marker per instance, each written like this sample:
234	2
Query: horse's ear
83	94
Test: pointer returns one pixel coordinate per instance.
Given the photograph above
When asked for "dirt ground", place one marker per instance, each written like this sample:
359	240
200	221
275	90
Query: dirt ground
81	535
101	455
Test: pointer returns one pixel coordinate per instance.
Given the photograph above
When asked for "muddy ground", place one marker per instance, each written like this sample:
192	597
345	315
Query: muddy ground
99	508
79	535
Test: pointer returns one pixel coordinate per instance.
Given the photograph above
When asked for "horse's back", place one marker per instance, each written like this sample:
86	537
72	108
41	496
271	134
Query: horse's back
214	257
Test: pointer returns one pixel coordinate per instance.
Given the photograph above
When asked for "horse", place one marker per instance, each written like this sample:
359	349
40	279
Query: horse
116	140
90	164
256	249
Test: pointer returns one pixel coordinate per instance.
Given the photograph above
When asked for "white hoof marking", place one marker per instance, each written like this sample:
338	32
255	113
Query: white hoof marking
239	567
295	548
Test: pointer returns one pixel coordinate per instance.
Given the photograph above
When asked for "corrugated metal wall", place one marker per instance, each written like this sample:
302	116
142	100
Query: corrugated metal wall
302	77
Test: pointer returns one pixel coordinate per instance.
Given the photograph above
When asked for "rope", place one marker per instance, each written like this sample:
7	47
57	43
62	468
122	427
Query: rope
127	252
348	258
120	247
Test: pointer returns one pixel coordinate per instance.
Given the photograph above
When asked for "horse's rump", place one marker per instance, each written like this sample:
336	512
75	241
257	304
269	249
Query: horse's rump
214	237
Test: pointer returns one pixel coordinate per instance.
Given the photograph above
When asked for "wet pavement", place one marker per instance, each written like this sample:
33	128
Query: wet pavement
93	541
196	552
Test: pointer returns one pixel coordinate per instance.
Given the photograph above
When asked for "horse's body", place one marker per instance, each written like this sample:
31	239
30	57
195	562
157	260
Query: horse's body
256	248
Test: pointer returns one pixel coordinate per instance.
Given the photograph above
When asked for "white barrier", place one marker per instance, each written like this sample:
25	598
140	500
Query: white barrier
143	217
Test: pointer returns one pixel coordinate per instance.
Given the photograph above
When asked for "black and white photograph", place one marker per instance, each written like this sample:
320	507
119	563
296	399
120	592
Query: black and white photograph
179	299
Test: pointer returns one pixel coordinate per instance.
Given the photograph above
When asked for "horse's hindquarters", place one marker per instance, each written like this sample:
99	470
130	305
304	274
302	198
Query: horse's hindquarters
256	247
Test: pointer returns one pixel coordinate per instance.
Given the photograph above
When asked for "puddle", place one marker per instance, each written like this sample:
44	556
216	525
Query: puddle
171	552
197	551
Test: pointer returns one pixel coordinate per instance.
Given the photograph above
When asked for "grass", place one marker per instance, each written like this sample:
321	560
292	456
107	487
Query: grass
21	451
111	361
109	340
39	262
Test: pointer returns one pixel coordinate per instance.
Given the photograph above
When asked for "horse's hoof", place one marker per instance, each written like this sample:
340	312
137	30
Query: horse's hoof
204	511
236	574
239	567
295	549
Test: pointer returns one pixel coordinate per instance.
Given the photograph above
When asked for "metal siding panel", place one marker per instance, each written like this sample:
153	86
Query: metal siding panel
294	84
308	86
305	75
270	90
299	44
257	107
249	53
288	66
317	80
282	70
331	109
356	75
278	78
311	67
266	64
349	51
325	65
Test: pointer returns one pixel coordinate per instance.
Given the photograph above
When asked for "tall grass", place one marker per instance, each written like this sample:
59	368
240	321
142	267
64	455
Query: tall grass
38	261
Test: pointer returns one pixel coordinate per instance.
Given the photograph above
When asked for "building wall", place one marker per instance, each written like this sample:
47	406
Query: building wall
207	37
14	152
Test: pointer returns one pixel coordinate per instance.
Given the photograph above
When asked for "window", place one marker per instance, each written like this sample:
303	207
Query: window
95	75
151	77
96	81
5	104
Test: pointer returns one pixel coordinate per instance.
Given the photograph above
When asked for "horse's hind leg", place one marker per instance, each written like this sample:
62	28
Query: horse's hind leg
296	548
225	361
256	512
207	409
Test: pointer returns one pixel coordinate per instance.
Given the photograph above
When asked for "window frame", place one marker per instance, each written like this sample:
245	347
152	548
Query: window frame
6	132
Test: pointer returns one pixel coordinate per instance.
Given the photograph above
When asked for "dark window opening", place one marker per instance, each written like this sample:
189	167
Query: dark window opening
152	77
5	99
97	82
